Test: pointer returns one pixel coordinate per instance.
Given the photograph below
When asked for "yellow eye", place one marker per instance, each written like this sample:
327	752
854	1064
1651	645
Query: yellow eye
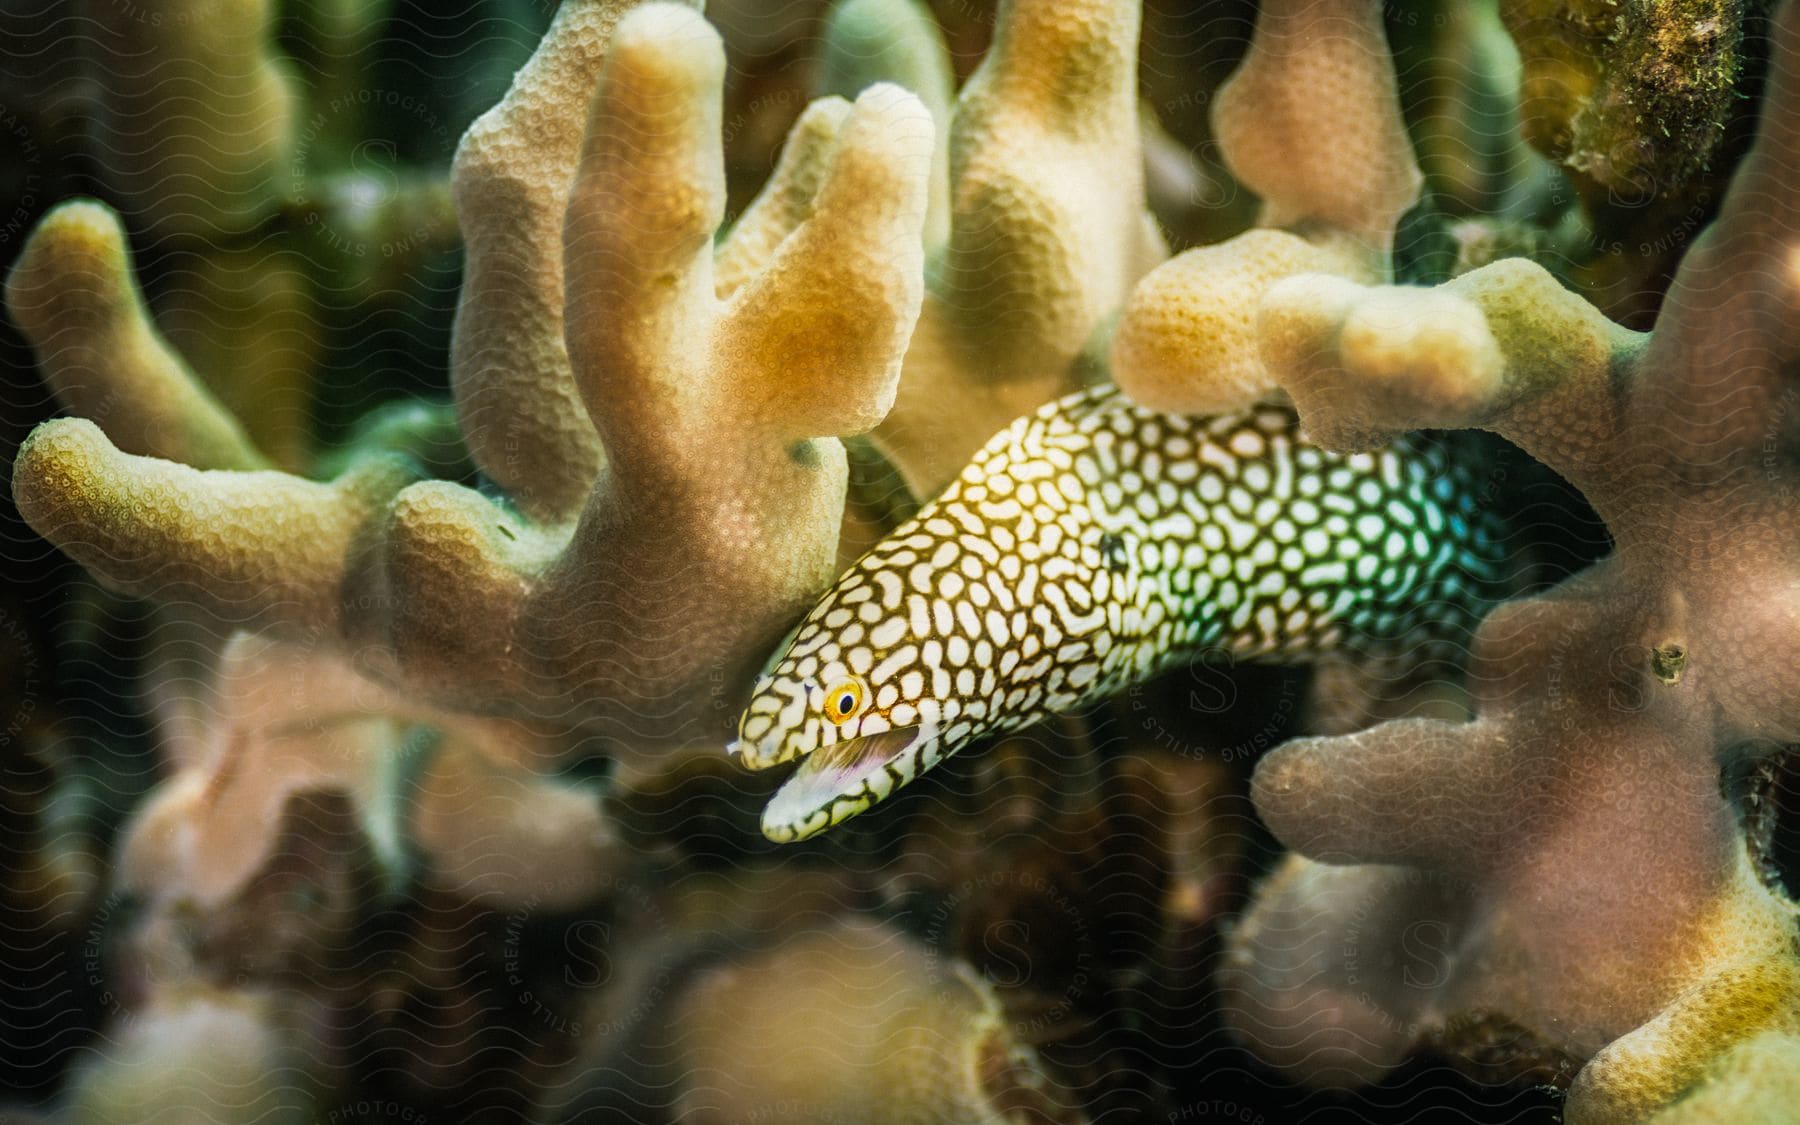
844	701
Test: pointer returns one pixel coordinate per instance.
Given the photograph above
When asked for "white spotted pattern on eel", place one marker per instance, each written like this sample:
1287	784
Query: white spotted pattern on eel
1087	547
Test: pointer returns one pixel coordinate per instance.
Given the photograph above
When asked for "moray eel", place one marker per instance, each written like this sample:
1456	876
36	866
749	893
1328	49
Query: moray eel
1087	547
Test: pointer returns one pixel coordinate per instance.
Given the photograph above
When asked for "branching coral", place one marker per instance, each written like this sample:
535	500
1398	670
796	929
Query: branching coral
1572	860
713	533
707	532
1310	121
72	293
290	720
1047	226
656	414
231	160
717	513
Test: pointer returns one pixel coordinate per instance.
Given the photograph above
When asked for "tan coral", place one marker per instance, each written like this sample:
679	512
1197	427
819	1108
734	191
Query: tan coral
291	719
1723	1033
1186	343
195	129
787	200
869	41
1041	134
204	537
838	1018
717	515
1754	1083
1311	123
1487	341
510	368
286	722
503	835
341	580
846	1023
1573	842
197	1053
74	296
1047	225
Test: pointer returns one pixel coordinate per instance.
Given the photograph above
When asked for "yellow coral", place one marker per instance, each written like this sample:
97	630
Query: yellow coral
1310	122
717	515
515	395
213	163
72	293
838	1019
1047	230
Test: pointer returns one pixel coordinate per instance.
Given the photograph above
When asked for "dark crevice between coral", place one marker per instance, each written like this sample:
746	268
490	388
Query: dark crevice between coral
1765	789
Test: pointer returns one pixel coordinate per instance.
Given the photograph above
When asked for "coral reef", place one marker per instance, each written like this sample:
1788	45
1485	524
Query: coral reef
606	364
730	530
435	647
1633	99
1312	126
1638	107
1047	228
1572	852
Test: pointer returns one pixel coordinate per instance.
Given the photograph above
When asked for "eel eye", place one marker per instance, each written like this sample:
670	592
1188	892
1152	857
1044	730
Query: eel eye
844	701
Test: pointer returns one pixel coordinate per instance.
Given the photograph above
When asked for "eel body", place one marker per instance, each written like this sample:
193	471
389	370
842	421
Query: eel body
1087	547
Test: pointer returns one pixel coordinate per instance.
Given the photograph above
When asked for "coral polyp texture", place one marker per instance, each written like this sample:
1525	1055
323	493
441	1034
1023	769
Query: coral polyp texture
854	368
1576	849
1310	122
705	536
1047	224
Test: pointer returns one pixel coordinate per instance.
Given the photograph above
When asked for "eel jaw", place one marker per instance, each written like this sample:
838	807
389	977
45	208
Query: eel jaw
836	782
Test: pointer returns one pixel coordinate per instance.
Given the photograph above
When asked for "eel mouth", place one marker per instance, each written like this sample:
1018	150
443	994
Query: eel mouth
836	782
